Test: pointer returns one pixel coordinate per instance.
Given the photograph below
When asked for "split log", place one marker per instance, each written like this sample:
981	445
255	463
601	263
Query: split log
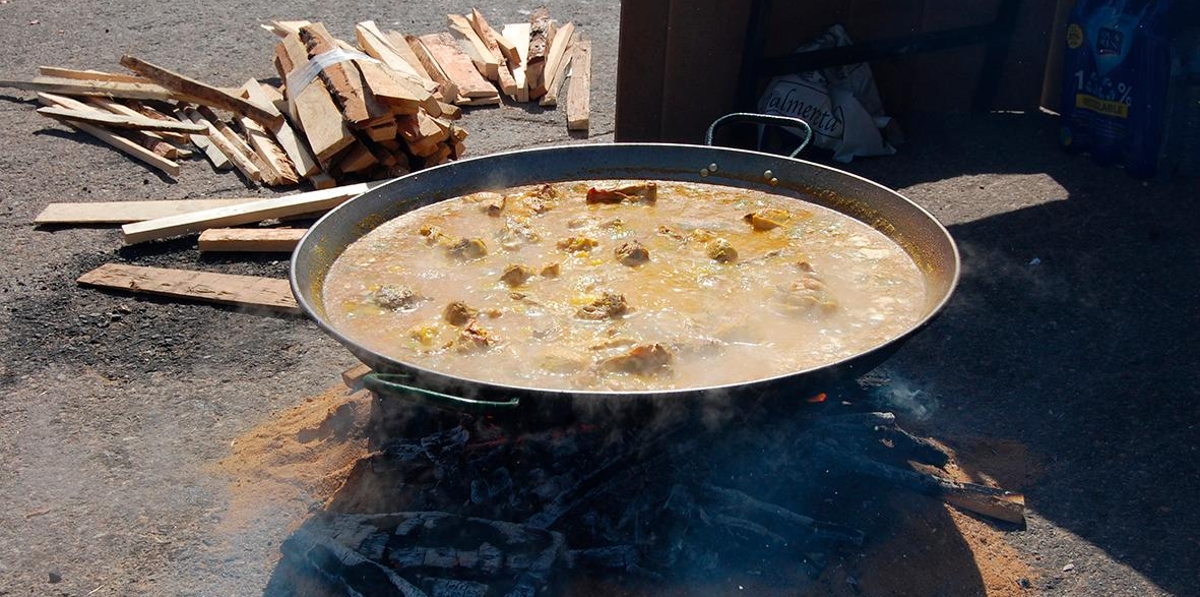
470	84
243	162
226	289
508	49
487	63
89	75
255	211
579	88
303	162
556	66
541	32
219	160
201	92
358	104
446	85
312	106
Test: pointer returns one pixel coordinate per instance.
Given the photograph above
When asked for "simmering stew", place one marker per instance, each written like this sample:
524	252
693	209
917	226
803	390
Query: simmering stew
622	286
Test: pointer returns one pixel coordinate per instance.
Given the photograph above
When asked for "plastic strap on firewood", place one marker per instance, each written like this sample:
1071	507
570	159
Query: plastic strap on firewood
302	76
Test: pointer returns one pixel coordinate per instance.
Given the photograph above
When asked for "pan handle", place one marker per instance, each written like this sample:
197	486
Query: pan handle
779	121
395	385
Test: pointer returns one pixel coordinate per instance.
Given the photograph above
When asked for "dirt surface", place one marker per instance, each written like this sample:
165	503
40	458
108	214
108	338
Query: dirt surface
1070	343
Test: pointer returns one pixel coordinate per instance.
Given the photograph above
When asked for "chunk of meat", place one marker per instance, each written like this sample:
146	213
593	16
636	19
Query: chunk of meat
720	250
516	232
643	359
551	270
768	218
516	274
806	295
632	253
467	248
669	232
473	338
459	313
396	297
574	244
610	305
492	204
642	192
433	234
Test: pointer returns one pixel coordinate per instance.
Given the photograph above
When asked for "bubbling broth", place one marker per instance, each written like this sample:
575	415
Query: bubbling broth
622	286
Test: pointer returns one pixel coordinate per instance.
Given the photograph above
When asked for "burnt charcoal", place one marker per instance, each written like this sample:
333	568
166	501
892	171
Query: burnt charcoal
345	567
449	587
498	484
797	527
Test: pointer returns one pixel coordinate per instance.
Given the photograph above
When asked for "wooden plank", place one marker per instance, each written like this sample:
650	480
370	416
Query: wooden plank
487	37
250	240
125	212
225	289
136	108
353	376
508	50
123	144
360	107
322	121
399	96
241	161
458	66
487	63
89	75
150	91
400	58
579	88
203	93
541	32
256	211
518	33
303	162
556	65
215	156
446	85
119	121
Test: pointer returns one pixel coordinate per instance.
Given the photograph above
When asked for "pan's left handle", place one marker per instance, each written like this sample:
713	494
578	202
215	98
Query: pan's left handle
771	119
394	385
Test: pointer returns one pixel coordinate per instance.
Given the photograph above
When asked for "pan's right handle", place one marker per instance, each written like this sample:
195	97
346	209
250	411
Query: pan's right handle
771	119
395	385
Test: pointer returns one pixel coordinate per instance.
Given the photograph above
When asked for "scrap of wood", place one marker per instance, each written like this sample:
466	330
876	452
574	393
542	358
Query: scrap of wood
518	33
541	32
313	106
456	64
276	166
300	157
203	93
149	140
579	88
353	376
250	240
399	43
240	160
117	121
556	66
89	75
359	106
488	47
487	63
125	212
508	49
219	160
378	46
121	89
284	28
123	144
226	289
446	84
235	215
136	108
357	159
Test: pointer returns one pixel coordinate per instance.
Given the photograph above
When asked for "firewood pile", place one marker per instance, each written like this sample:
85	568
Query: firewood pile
384	106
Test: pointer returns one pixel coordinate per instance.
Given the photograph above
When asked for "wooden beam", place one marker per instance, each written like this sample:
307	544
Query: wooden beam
203	93
118	121
149	91
89	75
556	65
579	88
518	33
123	144
458	66
225	289
255	211
250	240
303	162
125	212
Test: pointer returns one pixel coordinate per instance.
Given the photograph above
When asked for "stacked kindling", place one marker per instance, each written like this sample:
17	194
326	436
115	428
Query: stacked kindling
379	108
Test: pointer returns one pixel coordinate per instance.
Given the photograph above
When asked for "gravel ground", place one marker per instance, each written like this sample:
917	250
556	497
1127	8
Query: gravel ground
1072	333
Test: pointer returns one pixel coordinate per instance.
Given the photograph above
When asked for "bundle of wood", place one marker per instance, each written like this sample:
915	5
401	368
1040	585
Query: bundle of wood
344	113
